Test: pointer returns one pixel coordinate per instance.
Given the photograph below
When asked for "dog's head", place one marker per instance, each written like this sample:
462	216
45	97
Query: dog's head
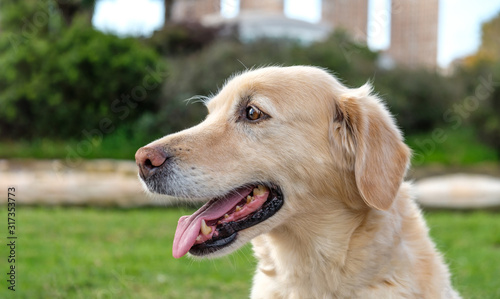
276	142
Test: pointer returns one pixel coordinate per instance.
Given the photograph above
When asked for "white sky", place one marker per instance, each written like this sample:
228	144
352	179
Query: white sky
459	31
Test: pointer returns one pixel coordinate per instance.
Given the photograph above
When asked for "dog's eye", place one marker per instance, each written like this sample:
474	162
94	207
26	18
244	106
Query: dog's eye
253	113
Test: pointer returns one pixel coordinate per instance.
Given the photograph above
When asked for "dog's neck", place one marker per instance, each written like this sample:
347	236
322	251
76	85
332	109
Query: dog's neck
328	249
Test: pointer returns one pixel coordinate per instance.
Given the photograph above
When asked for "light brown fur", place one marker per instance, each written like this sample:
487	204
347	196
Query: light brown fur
349	227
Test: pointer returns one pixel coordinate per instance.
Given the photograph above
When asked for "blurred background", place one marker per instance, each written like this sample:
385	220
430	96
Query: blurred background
85	83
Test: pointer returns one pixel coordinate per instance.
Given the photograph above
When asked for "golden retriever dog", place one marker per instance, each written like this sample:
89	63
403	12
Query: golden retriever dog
312	173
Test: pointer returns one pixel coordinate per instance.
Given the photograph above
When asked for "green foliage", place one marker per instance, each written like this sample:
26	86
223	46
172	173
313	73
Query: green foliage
182	38
480	104
27	18
60	83
448	146
489	50
417	98
487	96
352	62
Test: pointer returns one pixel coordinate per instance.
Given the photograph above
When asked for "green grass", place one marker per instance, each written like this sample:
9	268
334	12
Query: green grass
89	253
118	145
470	243
450	147
113	253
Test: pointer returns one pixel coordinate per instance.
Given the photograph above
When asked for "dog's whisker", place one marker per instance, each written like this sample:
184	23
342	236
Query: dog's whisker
197	99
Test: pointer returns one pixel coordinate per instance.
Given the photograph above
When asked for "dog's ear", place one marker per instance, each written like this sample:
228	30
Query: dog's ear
374	144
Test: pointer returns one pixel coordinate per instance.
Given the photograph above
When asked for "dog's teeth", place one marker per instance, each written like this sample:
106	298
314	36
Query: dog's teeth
205	229
249	199
198	239
219	222
238	208
226	216
260	190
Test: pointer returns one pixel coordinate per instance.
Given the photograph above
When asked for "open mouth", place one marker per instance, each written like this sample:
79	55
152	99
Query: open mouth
217	223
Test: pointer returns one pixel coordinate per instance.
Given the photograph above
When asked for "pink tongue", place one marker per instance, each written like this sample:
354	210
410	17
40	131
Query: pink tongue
188	227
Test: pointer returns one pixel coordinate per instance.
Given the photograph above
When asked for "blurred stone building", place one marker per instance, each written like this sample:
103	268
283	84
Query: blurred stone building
349	15
414	33
271	6
413	28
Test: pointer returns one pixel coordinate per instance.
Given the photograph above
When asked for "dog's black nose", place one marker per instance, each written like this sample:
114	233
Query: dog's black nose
149	159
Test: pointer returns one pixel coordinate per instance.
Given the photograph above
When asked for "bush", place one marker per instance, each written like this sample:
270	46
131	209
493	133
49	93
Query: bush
485	97
182	38
418	98
58	83
352	62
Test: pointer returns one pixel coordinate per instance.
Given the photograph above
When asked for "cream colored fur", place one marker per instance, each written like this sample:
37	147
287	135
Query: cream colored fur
349	227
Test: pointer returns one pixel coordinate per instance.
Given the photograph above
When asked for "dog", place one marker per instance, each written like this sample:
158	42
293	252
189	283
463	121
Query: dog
311	172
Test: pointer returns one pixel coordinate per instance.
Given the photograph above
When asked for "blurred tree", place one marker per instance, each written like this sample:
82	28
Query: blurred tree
490	40
62	81
182	38
26	18
482	73
70	8
483	102
489	50
418	98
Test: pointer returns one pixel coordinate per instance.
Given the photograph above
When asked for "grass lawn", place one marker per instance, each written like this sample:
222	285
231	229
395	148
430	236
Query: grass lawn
113	253
453	147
